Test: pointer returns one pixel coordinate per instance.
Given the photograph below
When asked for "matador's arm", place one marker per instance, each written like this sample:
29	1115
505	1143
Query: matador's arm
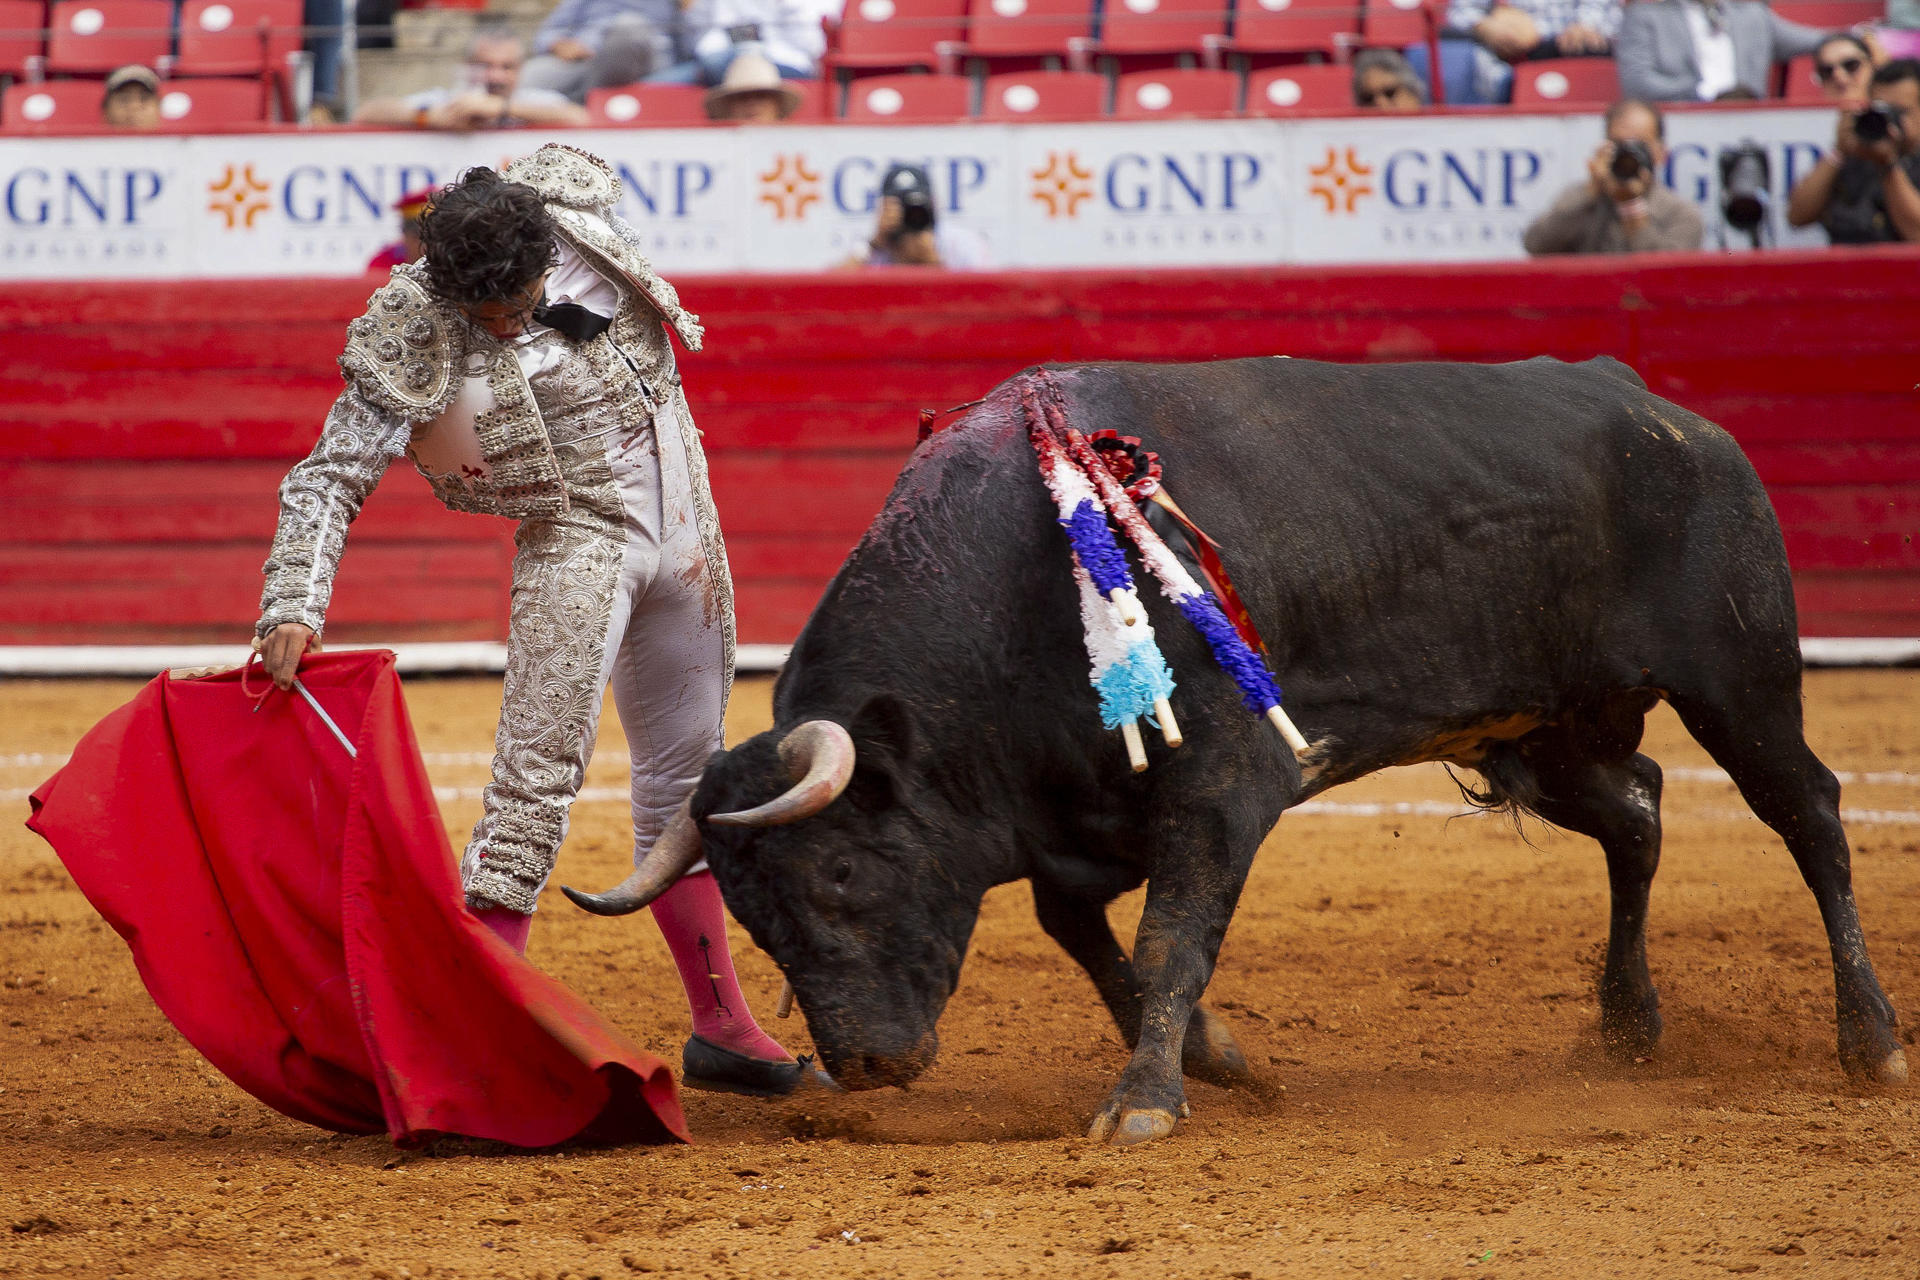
318	500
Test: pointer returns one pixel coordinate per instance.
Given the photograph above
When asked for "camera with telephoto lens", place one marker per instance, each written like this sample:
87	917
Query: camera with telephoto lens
1876	122
1630	160
909	185
1746	185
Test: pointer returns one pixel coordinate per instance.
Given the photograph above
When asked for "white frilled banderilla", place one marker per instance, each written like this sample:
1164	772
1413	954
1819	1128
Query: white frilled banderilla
1128	670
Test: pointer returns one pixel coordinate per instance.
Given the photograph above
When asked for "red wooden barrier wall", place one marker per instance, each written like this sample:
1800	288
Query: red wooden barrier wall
144	427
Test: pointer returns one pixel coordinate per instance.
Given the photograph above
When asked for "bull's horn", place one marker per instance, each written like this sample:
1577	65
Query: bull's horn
677	849
819	759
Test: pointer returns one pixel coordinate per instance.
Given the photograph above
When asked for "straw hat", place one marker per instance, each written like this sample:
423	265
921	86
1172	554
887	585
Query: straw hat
751	73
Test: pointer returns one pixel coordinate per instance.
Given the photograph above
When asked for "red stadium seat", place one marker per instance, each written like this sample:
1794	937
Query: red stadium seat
648	104
1163	27
22	34
236	37
816	98
896	33
95	36
1025	28
187	106
1563	81
920	99
1288	26
1044	95
58	106
1180	91
1394	24
1282	91
1831	15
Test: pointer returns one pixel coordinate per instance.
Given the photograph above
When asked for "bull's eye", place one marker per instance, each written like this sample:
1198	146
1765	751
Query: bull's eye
842	871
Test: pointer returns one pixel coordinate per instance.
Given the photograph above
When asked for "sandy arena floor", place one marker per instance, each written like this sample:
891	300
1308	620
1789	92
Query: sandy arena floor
1416	994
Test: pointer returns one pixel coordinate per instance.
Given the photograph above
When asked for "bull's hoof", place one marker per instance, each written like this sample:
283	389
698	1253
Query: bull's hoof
1632	1035
1888	1069
1870	1052
1210	1053
1130	1128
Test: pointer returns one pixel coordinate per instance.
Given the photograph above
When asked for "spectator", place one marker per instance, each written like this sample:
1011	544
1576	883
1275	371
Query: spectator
1867	189
492	98
1621	207
411	207
1842	66
1383	80
593	44
908	232
326	24
1696	50
132	99
1503	34
751	93
785	32
1900	37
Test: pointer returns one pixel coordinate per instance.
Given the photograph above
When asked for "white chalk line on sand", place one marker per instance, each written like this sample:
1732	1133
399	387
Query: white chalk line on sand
481	759
1312	808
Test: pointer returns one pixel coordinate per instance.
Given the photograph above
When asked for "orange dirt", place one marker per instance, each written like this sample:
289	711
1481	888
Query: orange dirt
1416	995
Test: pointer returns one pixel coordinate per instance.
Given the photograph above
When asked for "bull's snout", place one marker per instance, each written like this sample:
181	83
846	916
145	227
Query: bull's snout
867	1068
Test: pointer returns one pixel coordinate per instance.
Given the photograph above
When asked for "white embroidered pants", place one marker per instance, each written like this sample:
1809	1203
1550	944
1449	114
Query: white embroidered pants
616	594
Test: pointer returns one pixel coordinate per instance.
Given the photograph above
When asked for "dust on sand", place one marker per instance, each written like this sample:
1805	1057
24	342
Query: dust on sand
1416	995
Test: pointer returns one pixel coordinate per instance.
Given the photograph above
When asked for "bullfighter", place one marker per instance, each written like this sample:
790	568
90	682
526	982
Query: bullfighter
523	365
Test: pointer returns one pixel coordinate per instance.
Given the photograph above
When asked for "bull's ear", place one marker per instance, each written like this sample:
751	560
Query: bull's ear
884	741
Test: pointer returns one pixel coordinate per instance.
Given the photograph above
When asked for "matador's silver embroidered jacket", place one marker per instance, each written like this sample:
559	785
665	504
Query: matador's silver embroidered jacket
416	371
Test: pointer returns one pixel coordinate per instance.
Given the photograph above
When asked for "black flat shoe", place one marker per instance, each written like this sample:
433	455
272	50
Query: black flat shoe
706	1065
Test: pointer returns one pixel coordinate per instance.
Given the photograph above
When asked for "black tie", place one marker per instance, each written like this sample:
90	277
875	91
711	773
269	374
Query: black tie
572	319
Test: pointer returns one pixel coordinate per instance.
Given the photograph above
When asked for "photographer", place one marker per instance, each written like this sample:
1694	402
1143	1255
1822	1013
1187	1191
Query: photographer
1621	207
909	233
1867	189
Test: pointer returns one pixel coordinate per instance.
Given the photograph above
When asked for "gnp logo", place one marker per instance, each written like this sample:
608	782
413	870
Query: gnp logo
1340	180
80	199
313	197
851	186
1063	184
239	196
790	186
1474	180
1136	184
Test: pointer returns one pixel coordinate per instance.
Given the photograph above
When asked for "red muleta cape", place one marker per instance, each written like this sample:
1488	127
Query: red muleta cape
297	913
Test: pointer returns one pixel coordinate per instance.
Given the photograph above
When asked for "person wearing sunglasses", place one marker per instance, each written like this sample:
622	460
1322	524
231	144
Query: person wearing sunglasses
1842	66
1867	189
1383	80
1622	206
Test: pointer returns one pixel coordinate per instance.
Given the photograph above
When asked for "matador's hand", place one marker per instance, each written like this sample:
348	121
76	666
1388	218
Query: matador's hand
282	650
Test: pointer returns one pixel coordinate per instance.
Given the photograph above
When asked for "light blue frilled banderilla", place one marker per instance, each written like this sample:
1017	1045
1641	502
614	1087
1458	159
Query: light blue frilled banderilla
1129	672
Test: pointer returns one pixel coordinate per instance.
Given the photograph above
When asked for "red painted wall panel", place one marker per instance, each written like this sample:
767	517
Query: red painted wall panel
143	427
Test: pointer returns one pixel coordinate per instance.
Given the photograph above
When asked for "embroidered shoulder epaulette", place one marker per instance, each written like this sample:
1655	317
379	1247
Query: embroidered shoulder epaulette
594	234
405	353
567	176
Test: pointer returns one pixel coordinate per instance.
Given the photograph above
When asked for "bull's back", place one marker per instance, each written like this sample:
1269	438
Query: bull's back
1458	534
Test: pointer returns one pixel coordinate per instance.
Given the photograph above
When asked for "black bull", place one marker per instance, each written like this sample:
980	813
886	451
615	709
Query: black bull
1502	567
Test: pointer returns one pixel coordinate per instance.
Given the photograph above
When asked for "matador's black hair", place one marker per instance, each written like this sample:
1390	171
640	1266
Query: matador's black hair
483	238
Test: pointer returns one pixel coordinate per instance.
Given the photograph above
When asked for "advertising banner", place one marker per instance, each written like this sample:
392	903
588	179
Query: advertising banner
1158	193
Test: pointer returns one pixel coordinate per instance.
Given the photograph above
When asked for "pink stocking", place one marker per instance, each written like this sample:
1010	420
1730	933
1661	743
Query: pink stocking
695	925
510	926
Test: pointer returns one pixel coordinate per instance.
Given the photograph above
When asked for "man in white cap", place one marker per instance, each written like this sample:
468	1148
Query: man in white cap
132	99
751	93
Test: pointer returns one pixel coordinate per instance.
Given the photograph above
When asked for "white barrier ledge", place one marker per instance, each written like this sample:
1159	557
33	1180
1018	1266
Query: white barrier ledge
1859	651
489	656
146	660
